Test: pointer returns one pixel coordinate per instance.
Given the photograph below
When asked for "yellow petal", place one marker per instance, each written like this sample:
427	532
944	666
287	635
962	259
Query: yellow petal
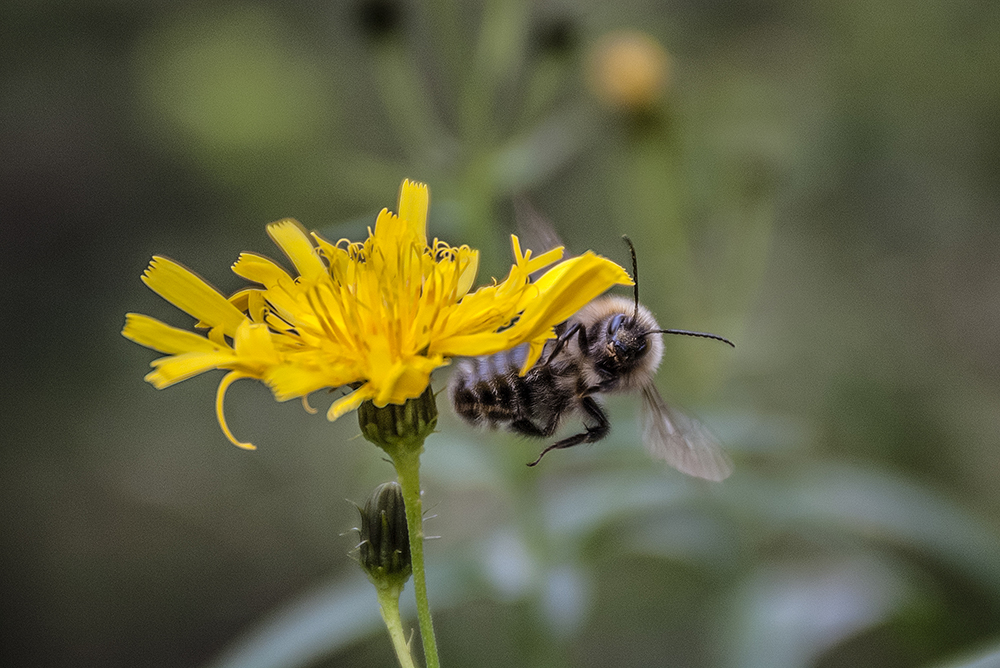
566	289
560	293
281	288
414	200
544	260
531	265
241	299
468	275
218	337
190	293
405	380
414	380
336	256
257	308
515	244
238	299
220	396
254	341
471	345
289	381
174	369
260	269
535	349
350	402
159	336
294	241
386	382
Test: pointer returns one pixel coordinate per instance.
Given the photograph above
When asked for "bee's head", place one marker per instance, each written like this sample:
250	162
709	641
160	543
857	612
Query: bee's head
626	344
625	347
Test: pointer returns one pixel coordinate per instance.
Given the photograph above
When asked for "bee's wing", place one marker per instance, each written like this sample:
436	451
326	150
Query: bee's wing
535	230
682	442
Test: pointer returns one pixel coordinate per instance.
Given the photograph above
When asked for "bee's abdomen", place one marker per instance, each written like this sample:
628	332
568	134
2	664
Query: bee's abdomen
488	391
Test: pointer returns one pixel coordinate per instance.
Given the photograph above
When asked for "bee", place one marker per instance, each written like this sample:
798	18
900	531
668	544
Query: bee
612	345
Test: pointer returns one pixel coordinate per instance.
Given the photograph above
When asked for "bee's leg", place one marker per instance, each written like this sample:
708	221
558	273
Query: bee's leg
579	330
526	427
594	433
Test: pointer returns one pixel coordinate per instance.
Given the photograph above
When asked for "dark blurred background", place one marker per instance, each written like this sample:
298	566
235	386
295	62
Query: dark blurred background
816	180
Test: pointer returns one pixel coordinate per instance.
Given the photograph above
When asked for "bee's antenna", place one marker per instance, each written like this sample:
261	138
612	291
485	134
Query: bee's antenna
704	335
635	276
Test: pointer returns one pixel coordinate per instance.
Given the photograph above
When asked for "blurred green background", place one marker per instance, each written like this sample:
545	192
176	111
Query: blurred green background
816	180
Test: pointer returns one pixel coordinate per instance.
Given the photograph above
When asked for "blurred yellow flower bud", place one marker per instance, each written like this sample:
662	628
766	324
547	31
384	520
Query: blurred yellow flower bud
629	69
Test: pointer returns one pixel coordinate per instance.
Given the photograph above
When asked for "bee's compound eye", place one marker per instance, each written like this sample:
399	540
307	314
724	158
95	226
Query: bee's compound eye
615	324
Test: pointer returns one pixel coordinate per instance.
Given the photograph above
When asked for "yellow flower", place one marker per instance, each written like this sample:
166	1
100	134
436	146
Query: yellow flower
629	70
378	316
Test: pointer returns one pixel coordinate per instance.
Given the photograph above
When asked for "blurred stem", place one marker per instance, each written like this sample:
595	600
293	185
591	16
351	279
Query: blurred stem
407	463
530	159
407	103
650	183
498	56
477	197
388	601
446	31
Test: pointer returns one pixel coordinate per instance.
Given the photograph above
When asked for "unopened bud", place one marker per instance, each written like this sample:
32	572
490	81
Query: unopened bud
384	550
397	426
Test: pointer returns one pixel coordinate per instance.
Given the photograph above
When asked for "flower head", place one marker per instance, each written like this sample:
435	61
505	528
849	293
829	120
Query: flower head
377	316
629	70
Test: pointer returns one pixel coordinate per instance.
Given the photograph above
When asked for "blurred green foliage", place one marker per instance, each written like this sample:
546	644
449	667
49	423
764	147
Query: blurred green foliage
818	182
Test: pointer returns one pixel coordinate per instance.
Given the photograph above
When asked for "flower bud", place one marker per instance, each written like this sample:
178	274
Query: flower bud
384	550
629	70
397	426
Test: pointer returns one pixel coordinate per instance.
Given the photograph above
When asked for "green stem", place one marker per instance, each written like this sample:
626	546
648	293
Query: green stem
388	601
407	464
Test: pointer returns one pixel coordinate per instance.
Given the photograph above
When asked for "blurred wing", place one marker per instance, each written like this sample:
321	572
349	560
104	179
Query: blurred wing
535	230
682	442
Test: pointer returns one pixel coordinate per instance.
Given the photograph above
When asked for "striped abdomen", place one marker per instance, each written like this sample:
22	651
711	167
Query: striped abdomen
487	391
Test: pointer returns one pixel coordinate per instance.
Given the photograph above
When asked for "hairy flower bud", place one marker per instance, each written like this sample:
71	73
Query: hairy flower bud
399	425
384	549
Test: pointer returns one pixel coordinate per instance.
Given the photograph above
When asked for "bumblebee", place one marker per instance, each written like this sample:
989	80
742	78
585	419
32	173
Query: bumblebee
612	345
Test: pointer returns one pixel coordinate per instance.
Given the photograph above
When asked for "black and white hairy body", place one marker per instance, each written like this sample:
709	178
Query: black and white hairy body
612	345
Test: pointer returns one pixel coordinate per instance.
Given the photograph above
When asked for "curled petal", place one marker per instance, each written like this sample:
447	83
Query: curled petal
350	402
220	395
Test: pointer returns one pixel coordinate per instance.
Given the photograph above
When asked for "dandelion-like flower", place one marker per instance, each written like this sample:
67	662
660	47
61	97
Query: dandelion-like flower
630	70
376	316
